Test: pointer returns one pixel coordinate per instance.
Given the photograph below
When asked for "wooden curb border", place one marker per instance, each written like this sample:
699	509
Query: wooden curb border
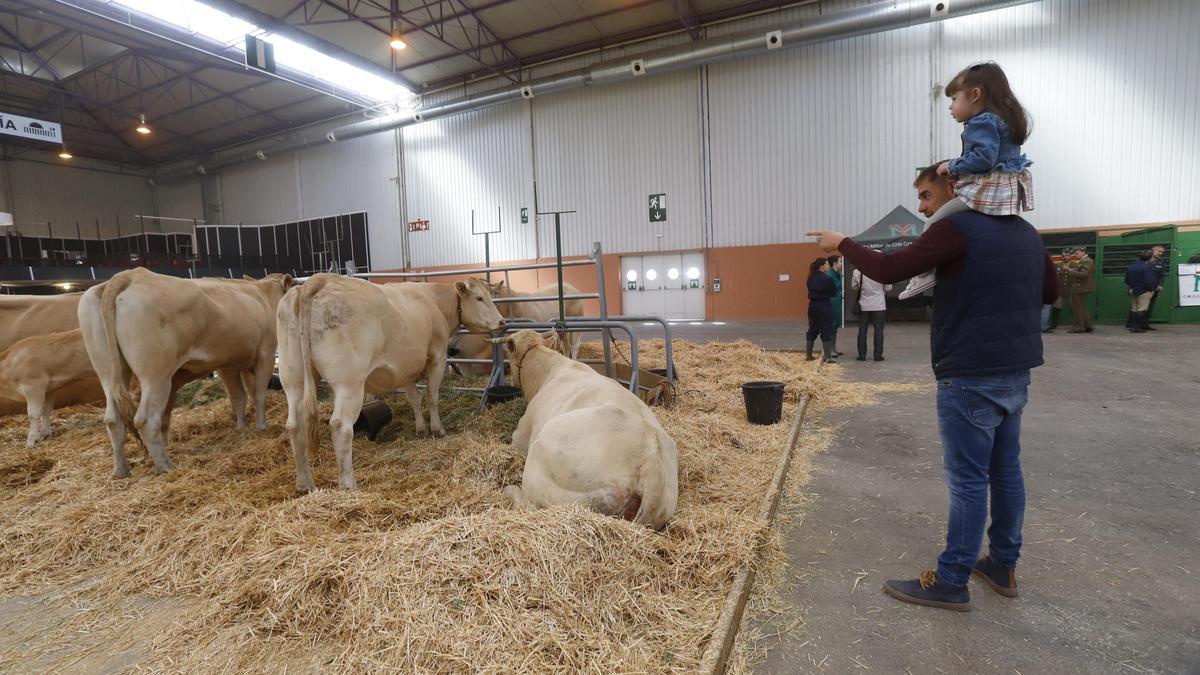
720	645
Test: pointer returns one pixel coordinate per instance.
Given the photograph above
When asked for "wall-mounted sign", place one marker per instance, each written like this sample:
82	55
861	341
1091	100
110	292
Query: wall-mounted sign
693	283
631	285
418	226
524	215
1189	285
27	127
658	208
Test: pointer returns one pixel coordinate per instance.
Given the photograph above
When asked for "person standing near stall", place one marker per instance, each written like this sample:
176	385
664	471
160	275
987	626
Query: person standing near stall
1080	274
872	311
821	290
835	273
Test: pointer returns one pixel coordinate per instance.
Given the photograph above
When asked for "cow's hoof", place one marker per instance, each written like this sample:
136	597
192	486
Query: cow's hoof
348	486
120	473
439	432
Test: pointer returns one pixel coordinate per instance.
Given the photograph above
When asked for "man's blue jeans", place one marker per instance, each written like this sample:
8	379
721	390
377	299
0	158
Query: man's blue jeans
980	423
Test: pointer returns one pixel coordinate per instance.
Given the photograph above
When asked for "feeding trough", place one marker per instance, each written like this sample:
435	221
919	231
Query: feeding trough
500	393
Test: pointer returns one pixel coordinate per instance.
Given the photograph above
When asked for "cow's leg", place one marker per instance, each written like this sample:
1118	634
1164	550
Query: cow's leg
35	403
256	382
433	385
149	420
237	395
115	425
517	497
520	437
47	409
347	403
299	422
414	400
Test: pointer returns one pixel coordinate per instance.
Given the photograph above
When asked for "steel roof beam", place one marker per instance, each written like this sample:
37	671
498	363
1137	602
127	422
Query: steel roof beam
43	64
273	25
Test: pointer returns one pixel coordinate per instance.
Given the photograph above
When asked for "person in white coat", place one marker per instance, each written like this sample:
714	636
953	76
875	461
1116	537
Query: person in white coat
872	310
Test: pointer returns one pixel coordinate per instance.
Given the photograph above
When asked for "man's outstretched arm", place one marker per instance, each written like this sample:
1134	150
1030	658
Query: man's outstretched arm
940	244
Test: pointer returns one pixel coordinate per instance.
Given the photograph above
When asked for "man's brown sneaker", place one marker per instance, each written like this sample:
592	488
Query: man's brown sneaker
1002	579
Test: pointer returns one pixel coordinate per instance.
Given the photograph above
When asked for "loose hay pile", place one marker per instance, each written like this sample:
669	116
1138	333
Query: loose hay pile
218	565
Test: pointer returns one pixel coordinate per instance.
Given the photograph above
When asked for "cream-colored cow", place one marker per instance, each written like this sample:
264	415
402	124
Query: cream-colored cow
544	311
361	338
167	332
40	368
588	440
23	316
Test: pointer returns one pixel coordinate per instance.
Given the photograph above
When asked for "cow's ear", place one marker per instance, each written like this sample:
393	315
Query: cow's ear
500	284
288	281
461	288
510	343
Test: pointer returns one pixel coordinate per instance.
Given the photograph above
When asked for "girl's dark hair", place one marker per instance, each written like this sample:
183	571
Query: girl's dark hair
997	96
832	260
815	267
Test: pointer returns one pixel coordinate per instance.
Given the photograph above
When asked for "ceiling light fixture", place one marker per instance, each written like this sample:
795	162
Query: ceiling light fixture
64	154
142	128
398	42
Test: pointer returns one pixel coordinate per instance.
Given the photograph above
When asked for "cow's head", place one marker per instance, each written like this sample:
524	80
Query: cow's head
273	286
475	306
517	346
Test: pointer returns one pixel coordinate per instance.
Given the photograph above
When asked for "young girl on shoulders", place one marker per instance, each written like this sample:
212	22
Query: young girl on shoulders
992	174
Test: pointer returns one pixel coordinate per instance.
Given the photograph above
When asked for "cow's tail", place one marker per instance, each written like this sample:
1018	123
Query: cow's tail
119	376
308	401
658	488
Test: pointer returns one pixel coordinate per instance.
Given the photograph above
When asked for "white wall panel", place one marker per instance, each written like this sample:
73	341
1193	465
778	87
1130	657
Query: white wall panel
261	192
820	136
180	200
1113	91
357	175
602	151
63	195
478	161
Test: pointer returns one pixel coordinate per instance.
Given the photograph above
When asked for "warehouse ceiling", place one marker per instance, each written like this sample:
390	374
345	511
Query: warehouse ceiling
96	66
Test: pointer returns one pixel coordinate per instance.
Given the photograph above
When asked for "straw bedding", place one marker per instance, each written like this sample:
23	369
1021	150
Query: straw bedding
220	566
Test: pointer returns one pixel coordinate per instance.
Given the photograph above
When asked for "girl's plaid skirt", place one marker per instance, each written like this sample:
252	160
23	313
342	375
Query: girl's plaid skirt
999	193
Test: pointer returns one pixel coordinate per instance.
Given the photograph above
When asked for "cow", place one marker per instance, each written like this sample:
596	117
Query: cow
588	440
544	311
362	338
42	367
167	332
23	316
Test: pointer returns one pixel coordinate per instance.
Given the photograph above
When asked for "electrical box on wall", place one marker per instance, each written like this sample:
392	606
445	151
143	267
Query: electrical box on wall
716	285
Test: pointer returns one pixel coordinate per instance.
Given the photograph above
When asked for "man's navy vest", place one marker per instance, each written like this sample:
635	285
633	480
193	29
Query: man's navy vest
987	314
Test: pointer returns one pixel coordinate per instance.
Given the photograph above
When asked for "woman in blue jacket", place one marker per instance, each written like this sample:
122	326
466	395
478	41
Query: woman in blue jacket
821	290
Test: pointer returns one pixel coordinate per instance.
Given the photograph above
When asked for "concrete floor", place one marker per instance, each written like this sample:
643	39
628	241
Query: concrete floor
1110	572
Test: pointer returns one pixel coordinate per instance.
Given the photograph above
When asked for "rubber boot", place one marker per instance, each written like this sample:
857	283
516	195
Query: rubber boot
1146	321
808	347
1054	312
835	351
1129	319
827	354
1135	324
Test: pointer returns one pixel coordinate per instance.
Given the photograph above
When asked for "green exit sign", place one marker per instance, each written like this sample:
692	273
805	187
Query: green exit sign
658	208
524	215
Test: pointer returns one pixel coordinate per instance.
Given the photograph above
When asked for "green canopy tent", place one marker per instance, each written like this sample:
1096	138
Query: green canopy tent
897	229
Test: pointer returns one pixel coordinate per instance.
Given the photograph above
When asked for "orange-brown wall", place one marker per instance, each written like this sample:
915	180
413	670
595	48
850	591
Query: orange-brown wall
750	281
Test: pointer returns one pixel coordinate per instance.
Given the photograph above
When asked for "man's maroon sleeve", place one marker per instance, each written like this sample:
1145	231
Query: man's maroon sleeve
940	244
1050	288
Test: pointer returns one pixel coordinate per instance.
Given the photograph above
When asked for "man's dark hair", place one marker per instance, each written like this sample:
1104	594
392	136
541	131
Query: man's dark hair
929	173
1146	255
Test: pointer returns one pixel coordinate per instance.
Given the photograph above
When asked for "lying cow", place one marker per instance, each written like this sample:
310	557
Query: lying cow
167	332
361	338
23	316
544	311
588	440
43	367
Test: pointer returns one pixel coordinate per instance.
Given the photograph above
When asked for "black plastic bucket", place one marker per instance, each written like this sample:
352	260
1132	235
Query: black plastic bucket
501	393
374	416
764	402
